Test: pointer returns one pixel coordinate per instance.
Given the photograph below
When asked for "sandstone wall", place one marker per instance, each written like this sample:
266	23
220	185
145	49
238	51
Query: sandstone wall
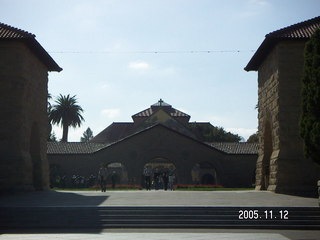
281	166
23	119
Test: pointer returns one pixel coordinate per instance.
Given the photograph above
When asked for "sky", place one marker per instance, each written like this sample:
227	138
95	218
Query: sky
121	56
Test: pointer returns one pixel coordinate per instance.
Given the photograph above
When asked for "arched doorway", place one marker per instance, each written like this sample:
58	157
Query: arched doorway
161	169
267	152
207	179
118	172
204	173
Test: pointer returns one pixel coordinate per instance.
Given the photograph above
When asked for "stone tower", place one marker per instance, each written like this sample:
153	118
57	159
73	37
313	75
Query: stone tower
281	165
24	66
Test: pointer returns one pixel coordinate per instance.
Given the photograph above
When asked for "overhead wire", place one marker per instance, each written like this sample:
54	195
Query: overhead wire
153	52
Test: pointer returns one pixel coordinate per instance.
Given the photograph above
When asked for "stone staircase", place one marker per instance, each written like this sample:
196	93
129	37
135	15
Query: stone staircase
93	217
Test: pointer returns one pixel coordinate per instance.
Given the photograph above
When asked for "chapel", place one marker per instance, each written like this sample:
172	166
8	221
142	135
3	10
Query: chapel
161	137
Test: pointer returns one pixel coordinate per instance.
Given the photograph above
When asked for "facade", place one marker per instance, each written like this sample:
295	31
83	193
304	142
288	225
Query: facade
162	138
281	165
24	67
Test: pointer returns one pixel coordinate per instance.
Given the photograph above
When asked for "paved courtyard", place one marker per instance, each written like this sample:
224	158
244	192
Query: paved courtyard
161	198
157	198
228	235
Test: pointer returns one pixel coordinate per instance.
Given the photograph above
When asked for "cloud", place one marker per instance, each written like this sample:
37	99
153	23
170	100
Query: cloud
261	3
87	15
110	113
254	8
218	121
145	68
139	65
104	86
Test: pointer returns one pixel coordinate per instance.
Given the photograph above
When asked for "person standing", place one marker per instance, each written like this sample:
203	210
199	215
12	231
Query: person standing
103	173
147	172
156	179
165	178
113	179
171	180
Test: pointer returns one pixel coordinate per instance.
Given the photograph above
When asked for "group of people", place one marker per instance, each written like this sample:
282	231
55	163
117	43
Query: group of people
154	178
158	178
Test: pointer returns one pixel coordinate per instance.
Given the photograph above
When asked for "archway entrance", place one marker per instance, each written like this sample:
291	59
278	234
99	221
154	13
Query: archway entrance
204	173
117	172
162	173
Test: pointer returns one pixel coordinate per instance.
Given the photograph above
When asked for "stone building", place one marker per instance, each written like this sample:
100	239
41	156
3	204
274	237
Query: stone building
24	66
281	165
163	138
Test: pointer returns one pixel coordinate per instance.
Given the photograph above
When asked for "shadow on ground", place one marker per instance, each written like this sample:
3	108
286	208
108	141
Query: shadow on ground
50	212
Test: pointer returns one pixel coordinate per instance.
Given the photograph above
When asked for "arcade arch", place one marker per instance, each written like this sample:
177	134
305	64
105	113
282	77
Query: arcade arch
119	171
204	173
158	167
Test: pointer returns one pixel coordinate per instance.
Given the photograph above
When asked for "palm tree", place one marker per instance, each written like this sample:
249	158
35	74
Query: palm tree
67	113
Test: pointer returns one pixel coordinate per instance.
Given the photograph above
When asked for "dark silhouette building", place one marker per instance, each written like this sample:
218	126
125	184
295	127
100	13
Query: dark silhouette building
160	137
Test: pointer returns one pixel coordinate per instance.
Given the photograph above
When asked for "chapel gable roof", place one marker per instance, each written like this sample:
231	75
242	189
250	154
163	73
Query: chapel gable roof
92	147
160	104
114	132
301	31
9	33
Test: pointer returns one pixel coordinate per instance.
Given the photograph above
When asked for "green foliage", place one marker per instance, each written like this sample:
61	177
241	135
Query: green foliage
87	135
209	133
49	126
253	138
310	119
66	112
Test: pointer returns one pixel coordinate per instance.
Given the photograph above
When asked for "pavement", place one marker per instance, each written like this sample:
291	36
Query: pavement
157	198
160	198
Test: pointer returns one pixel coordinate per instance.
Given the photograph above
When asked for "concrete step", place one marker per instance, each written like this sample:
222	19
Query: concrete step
160	217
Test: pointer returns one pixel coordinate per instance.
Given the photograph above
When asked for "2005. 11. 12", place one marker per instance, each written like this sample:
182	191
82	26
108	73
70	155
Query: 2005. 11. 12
266	214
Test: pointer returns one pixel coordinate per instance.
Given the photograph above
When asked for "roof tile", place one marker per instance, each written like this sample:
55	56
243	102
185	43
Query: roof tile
9	33
73	147
90	147
300	31
236	147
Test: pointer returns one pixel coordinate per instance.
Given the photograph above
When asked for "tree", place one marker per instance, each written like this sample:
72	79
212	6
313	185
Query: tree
52	137
310	119
253	138
209	133
66	112
87	135
49	97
